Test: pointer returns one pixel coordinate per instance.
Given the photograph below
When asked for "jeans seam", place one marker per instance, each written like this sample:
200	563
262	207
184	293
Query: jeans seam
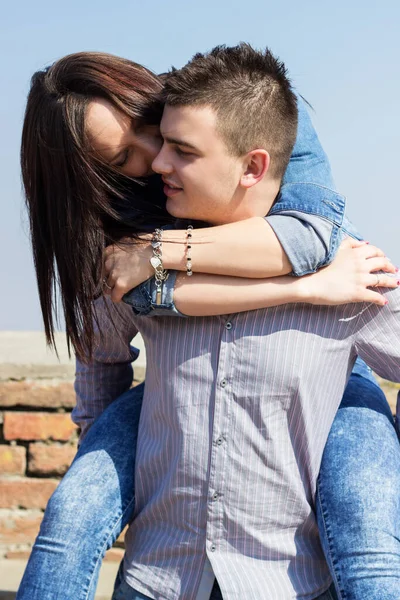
335	576
104	546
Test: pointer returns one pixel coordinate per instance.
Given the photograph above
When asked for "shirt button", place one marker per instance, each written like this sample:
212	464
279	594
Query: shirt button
219	441
212	548
215	496
223	382
228	325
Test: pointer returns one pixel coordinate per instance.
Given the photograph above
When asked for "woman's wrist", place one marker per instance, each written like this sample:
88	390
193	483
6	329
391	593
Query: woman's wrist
303	290
174	247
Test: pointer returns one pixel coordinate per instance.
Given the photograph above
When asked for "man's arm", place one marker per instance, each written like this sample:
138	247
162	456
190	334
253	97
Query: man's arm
109	374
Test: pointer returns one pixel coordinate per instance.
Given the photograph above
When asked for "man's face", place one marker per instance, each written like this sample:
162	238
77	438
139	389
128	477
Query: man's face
201	177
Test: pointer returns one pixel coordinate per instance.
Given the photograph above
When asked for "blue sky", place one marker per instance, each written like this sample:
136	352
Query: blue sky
342	56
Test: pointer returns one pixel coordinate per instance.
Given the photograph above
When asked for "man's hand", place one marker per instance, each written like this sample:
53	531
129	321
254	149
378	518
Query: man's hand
126	265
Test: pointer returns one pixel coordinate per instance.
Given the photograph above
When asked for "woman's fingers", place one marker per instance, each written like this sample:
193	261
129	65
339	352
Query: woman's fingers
350	242
383	281
108	285
371	251
107	252
375	298
381	264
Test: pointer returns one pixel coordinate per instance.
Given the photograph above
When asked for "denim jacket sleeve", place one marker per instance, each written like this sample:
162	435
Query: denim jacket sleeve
308	214
142	298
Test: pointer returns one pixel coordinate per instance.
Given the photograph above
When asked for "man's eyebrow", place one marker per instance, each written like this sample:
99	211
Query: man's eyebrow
178	142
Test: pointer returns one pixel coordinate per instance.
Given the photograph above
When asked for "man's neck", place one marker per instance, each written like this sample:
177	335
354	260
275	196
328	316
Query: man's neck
262	197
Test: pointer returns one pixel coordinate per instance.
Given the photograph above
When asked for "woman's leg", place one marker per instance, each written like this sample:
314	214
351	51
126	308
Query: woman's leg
358	495
88	510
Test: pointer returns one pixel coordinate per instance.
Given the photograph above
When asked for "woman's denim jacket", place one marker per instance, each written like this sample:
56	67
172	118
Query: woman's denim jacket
308	217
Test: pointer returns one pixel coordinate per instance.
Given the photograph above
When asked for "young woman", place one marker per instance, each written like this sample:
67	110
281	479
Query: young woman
90	127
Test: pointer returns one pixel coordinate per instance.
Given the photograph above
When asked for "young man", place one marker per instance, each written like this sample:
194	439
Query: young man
237	409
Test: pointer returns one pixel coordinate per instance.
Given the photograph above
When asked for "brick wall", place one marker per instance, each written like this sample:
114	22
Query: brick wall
38	442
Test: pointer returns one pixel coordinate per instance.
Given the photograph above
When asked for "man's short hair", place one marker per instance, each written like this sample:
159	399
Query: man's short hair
251	94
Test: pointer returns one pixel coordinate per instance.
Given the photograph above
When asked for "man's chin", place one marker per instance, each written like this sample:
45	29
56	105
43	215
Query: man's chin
177	209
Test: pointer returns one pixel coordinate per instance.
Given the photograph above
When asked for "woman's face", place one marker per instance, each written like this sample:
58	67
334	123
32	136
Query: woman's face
116	140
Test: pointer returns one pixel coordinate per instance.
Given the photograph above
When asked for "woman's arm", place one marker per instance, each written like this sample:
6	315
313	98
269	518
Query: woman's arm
348	279
247	248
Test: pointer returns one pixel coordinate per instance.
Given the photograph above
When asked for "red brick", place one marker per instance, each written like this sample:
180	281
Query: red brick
26	493
37	394
44	459
12	460
20	529
37	426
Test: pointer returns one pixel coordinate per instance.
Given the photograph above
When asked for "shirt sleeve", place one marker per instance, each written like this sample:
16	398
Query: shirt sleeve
377	337
109	373
308	213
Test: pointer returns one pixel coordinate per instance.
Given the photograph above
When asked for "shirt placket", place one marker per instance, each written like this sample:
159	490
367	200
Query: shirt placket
220	437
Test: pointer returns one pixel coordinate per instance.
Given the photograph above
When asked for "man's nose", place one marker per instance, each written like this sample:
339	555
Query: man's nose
161	164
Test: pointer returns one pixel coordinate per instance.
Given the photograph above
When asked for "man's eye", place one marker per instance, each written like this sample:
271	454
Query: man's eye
182	152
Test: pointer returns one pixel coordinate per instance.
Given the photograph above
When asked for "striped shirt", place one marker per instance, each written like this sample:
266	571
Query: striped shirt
236	413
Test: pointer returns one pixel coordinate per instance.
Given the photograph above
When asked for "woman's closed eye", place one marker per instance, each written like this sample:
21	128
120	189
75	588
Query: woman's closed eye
123	160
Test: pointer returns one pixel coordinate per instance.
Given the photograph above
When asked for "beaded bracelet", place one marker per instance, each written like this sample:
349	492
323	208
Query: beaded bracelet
189	271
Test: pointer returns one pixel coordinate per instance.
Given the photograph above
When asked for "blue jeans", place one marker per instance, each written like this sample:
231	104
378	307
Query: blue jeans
357	502
88	510
358	495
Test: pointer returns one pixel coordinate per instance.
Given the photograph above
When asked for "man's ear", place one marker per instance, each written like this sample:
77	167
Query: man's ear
256	166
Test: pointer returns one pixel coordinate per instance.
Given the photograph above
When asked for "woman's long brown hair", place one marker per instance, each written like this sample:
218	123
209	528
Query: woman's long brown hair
75	203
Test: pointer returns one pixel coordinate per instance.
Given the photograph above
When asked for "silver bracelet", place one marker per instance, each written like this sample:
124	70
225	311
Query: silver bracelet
189	271
160	274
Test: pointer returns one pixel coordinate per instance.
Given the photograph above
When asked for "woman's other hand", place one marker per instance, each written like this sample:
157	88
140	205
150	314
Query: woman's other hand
357	270
125	266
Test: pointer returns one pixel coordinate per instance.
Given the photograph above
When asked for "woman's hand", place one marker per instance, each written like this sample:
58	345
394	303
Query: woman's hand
352	276
126	265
